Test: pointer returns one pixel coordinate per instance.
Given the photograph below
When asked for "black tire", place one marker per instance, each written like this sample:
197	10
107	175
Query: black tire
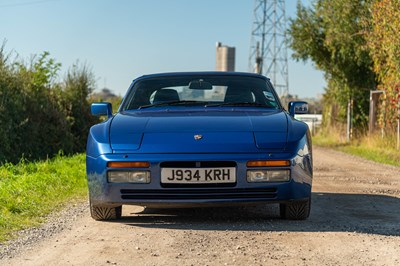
101	213
296	210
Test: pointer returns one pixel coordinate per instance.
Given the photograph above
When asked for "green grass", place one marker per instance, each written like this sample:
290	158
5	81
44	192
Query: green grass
30	191
374	148
379	155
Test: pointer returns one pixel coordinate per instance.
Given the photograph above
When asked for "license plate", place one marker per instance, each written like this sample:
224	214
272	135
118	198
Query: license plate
198	175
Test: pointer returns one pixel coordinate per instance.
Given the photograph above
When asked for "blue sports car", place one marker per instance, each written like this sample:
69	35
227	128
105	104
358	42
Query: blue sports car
199	139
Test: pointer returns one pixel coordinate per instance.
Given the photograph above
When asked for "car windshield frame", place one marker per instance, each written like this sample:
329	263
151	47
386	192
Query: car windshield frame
263	93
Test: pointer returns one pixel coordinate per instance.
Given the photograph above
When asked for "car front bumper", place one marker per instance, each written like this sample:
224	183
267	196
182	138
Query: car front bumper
156	194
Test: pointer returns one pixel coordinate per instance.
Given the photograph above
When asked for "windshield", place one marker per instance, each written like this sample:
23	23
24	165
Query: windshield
196	90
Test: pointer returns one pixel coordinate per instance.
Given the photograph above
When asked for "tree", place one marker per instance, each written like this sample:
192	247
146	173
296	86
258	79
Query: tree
331	34
384	43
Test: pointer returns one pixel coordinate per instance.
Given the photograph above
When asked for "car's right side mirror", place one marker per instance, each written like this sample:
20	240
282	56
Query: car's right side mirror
297	107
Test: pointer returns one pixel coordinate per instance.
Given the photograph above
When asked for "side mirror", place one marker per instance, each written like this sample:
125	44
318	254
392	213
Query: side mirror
101	109
297	108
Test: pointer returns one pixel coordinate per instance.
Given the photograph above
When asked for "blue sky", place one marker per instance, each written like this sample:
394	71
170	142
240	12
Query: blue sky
124	39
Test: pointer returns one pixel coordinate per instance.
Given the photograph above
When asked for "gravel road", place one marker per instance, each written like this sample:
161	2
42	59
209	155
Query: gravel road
355	220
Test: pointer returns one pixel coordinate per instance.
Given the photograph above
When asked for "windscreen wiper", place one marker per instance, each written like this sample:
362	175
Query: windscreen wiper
173	103
238	104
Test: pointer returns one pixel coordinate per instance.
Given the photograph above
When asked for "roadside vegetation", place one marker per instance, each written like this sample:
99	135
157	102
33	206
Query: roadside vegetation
375	148
29	191
357	46
40	113
44	123
355	43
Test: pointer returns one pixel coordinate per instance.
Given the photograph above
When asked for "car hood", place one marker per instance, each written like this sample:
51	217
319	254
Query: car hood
194	132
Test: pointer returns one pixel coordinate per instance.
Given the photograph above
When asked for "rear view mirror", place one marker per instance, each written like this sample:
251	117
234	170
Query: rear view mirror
101	109
298	108
200	85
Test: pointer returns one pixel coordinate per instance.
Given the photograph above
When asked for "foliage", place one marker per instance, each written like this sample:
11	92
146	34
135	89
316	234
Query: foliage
331	34
30	191
78	85
38	115
384	42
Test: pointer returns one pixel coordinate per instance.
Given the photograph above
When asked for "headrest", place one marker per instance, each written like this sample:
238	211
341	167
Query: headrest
166	95
238	95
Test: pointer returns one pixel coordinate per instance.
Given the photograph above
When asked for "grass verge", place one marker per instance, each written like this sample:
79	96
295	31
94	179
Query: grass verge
374	148
30	191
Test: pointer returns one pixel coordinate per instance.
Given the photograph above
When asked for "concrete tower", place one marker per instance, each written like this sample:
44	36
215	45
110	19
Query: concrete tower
225	58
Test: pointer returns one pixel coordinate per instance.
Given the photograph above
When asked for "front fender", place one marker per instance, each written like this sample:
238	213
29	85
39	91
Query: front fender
99	139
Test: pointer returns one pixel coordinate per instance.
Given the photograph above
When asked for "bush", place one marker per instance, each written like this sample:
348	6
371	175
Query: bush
39	116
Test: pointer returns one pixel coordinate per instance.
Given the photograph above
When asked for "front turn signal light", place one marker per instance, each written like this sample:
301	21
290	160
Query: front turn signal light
263	163
128	164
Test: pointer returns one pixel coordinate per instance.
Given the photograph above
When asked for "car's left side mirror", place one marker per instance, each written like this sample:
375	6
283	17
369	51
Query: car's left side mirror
101	109
297	108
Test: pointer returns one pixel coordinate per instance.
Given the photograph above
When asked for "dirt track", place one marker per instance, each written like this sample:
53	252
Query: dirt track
355	220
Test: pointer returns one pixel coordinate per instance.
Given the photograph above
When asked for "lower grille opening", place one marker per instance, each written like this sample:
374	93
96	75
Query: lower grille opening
192	194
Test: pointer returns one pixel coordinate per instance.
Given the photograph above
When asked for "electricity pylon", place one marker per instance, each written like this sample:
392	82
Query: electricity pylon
268	50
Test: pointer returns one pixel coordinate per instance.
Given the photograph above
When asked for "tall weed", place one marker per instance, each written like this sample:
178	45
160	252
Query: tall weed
373	147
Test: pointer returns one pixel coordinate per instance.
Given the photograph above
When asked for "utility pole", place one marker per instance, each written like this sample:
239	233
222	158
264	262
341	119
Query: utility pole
268	51
349	130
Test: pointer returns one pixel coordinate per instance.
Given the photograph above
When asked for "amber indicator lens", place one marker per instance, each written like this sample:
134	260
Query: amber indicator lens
267	163
128	164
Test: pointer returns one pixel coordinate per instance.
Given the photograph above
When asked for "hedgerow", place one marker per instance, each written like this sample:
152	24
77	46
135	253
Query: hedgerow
41	115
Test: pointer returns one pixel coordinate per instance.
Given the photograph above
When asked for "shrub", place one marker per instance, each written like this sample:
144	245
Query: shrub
38	115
